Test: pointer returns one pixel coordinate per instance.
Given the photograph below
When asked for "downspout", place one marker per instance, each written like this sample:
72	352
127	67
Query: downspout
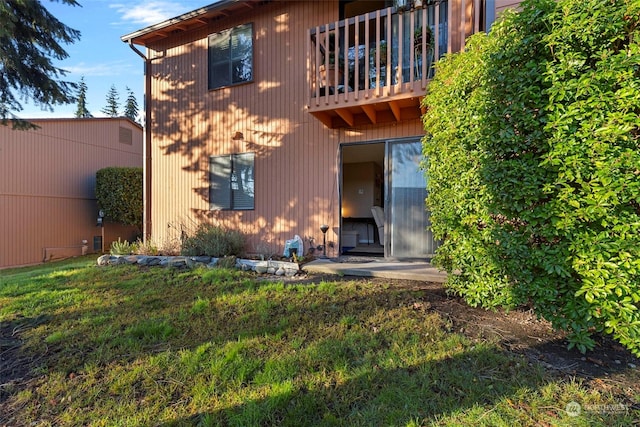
146	170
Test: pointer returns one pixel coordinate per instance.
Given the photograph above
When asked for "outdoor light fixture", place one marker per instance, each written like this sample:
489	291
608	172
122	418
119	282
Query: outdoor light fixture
324	228
100	222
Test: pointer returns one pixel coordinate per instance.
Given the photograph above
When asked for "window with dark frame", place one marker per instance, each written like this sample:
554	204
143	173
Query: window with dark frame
231	182
231	57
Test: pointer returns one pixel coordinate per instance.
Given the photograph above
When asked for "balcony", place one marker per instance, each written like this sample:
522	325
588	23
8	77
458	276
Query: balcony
374	68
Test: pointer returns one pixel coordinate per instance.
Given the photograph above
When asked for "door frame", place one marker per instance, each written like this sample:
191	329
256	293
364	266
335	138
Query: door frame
386	189
392	227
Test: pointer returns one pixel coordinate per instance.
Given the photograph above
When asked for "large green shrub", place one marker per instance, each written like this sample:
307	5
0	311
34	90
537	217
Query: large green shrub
533	139
119	194
213	241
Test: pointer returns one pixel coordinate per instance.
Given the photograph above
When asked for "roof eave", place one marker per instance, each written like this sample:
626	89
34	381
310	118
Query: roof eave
139	37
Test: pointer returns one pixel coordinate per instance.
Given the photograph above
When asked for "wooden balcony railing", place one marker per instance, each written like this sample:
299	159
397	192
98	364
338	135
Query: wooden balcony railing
374	67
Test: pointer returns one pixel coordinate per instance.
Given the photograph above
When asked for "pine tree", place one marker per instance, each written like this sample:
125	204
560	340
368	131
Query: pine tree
30	38
131	106
82	110
112	106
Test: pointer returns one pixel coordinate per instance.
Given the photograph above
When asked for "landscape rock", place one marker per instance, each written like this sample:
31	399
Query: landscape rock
153	261
290	272
201	259
177	262
278	268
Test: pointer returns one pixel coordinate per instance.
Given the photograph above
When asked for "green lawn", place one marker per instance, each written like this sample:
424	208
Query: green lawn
122	346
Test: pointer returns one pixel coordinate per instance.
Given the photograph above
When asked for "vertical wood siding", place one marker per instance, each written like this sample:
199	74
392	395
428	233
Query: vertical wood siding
502	5
47	184
296	170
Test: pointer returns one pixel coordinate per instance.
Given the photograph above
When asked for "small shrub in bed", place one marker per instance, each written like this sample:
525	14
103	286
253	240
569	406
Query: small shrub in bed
213	241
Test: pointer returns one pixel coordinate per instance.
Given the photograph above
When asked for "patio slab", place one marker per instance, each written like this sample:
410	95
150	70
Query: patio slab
415	270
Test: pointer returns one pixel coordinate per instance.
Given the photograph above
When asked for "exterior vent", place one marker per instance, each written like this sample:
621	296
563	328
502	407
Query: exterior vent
126	136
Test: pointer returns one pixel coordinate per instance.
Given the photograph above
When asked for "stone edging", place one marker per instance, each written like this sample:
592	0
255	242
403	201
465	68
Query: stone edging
279	268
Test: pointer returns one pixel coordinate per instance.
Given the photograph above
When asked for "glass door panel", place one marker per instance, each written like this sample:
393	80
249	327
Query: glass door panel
407	216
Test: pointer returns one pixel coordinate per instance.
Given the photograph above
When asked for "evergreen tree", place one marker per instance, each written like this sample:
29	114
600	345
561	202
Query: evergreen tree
111	109
131	105
30	38
82	110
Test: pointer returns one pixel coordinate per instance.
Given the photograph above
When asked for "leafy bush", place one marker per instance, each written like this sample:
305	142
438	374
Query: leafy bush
123	248
213	241
534	162
119	194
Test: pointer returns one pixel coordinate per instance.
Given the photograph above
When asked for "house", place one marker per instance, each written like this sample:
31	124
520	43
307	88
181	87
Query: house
278	117
48	207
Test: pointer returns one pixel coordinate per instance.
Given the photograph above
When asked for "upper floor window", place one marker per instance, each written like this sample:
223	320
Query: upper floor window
231	56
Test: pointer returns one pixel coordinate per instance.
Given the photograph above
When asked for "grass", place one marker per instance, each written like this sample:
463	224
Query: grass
121	346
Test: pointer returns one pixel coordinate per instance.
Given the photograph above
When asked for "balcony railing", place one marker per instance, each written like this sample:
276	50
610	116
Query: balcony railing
378	54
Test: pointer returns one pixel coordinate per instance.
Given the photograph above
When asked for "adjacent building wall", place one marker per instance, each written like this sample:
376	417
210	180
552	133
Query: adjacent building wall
296	170
502	5
47	184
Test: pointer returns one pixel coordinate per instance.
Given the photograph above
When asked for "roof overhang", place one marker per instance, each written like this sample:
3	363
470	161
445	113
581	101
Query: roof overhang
190	20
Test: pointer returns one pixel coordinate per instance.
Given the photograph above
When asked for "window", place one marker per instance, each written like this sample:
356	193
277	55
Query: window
231	57
231	182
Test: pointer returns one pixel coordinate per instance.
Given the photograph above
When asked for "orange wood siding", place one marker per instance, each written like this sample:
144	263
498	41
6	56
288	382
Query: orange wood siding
296	170
47	184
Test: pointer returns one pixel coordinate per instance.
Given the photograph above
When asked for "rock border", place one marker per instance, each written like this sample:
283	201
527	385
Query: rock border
278	268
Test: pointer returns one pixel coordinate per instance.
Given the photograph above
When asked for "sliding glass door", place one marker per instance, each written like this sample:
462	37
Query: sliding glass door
407	219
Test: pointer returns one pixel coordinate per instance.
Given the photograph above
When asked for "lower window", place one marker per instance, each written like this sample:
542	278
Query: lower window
231	182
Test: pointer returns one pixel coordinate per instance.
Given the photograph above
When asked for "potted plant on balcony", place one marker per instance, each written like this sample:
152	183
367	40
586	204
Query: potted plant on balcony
382	48
383	53
328	72
402	5
417	46
417	39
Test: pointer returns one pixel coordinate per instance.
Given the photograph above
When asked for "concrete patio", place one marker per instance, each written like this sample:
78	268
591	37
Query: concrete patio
378	267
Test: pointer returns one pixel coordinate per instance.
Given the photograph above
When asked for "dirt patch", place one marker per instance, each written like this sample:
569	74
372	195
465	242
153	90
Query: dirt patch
609	367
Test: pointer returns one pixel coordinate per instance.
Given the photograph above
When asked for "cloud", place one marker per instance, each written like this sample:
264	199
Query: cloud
112	68
149	13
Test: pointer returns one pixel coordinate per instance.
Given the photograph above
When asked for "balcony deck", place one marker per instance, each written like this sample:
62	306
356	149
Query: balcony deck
375	68
369	106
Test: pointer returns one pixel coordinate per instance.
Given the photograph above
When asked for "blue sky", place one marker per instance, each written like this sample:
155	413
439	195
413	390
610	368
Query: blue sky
100	56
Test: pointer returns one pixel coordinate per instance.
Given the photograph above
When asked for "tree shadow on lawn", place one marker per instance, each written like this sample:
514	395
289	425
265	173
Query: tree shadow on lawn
429	392
15	365
397	394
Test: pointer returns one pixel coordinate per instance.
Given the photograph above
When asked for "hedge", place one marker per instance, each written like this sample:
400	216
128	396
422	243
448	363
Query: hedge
119	194
533	148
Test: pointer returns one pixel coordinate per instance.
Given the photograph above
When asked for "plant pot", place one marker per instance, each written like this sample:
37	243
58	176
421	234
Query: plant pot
328	76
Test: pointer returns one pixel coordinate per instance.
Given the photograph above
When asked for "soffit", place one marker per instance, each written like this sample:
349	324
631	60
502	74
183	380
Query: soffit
191	20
